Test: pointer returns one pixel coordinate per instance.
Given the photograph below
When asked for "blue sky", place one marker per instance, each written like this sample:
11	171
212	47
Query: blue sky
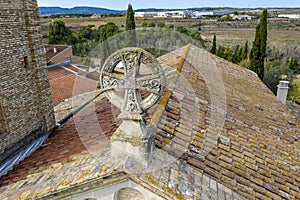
122	5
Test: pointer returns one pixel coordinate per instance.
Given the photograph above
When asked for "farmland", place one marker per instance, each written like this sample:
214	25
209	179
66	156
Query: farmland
283	42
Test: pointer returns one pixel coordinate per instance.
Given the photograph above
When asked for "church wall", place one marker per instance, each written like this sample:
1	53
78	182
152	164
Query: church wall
25	94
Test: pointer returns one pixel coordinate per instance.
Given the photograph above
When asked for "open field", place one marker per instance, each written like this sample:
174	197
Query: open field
282	32
280	38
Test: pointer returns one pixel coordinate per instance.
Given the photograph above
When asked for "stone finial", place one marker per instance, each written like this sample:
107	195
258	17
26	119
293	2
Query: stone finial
133	80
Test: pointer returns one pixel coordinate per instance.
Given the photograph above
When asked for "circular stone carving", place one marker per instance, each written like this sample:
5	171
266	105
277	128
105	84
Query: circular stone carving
129	194
132	79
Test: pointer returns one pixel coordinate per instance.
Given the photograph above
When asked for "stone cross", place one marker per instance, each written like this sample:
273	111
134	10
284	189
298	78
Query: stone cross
133	80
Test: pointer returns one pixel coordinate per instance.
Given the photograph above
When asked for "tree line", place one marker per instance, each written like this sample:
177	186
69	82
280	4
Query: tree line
267	63
270	65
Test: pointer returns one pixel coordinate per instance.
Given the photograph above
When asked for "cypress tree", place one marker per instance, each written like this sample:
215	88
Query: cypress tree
130	24
213	49
258	51
130	27
244	55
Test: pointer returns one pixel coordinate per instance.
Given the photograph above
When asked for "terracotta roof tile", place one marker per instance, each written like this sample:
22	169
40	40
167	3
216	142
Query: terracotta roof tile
66	142
251	155
93	75
65	84
256	137
74	69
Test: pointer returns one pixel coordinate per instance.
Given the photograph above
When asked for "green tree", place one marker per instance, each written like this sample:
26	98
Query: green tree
213	49
88	32
244	55
58	33
130	24
161	25
182	29
169	26
236	57
144	24
130	27
220	51
293	64
273	76
258	51
151	24
108	30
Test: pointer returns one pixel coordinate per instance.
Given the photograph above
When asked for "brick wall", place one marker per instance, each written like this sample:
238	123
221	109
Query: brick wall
25	92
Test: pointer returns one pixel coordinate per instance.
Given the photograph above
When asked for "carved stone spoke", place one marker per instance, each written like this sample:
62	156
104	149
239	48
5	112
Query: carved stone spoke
132	100
113	75
131	63
110	83
150	83
132	105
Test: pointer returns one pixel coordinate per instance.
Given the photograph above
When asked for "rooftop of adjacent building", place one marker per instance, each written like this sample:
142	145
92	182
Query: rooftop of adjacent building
68	81
253	154
53	50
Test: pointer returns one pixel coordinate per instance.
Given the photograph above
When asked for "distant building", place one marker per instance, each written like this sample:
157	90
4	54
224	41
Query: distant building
145	14
173	13
95	16
163	14
179	13
208	13
291	16
240	17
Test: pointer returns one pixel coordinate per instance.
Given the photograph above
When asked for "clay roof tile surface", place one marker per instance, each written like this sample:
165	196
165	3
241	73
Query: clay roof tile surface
227	134
65	84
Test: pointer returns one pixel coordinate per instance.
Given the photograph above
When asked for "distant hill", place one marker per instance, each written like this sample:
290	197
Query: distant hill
77	10
96	10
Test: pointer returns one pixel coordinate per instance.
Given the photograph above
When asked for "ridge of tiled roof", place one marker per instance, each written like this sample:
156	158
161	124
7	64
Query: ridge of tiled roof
73	68
252	155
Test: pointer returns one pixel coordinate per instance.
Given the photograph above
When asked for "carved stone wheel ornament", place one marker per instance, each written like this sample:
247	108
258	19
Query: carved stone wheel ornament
133	80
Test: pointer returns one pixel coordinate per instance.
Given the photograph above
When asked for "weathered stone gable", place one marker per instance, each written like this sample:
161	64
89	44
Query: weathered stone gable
27	111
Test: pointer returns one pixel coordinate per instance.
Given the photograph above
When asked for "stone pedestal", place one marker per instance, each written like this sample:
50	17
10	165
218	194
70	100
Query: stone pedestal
134	140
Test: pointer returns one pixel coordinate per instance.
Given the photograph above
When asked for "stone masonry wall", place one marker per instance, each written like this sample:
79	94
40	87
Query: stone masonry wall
24	86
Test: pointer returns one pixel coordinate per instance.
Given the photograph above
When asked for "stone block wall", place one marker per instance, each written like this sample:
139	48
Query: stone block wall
26	111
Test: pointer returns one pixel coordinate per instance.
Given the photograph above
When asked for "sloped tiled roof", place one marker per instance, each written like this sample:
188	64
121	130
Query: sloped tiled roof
65	84
50	50
230	137
93	75
75	69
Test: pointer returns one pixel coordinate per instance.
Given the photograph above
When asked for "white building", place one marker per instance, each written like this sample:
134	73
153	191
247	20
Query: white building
291	16
145	14
162	14
240	17
179	13
197	14
174	14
